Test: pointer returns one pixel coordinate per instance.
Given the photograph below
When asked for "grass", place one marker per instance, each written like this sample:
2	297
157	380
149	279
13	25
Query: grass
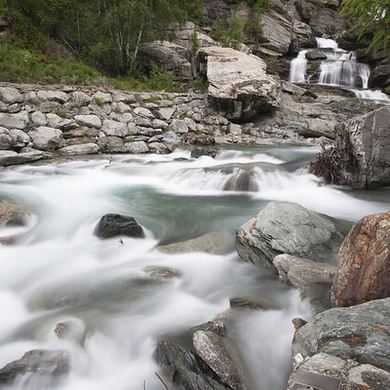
21	65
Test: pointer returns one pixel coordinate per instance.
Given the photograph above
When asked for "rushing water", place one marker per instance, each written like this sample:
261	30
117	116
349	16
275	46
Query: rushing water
58	270
339	69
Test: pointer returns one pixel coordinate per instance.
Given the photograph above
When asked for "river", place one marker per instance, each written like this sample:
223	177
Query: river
58	270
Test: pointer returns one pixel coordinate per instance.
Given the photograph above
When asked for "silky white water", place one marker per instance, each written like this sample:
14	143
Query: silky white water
57	270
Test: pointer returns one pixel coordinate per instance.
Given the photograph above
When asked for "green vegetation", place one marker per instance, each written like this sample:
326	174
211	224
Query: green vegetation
372	17
255	5
231	32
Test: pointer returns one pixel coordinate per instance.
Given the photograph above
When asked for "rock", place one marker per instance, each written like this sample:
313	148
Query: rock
184	368
88	120
79	150
363	271
316	55
80	99
20	138
53	120
6	139
380	77
171	138
137	147
235	129
288	228
293	89
57	96
168	56
312	279
113	128
13	121
47	368
111	145
159	124
101	98
12	215
39	118
360	156
144	112
216	243
357	332
253	304
238	83
10	95
162	272
159	148
298	323
178	126
10	157
166	113
46	138
211	349
199	152
368	377
115	225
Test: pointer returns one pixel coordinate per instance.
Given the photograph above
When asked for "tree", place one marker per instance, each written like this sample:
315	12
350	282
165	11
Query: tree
370	17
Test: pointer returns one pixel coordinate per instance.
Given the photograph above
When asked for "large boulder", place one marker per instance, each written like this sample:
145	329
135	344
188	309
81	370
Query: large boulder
46	138
115	225
239	85
363	272
344	342
288	228
37	367
360	156
380	77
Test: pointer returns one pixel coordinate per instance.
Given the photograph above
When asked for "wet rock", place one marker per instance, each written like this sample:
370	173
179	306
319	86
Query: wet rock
380	77
288	228
359	333
312	279
211	349
46	138
12	215
315	55
238	83
360	156
9	157
216	243
363	272
253	304
115	225
199	152
162	272
243	181
37	367
72	330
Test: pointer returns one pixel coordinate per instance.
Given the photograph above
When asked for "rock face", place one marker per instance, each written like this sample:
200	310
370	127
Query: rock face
380	77
288	228
238	83
115	225
360	156
363	272
351	344
38	367
312	279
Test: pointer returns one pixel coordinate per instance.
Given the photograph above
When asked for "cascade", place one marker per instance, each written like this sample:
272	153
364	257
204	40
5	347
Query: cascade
339	69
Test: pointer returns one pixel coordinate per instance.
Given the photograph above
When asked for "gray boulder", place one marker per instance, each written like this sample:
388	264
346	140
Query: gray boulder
360	156
37	367
380	77
357	332
88	120
137	147
238	83
10	95
13	121
81	149
114	128
115	225
46	138
6	139
288	228
10	157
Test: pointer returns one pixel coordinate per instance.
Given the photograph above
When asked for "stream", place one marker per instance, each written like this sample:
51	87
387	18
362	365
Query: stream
57	270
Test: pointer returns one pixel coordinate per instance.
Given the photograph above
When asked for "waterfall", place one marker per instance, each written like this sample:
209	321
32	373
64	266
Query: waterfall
298	68
339	69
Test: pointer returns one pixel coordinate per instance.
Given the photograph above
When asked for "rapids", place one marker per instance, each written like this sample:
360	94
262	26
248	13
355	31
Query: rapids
57	270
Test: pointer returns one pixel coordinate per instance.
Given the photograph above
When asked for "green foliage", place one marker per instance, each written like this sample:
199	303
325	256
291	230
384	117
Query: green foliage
194	43
254	29
372	17
255	5
230	33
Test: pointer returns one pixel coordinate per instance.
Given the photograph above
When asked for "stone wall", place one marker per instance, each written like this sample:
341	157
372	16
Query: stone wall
37	121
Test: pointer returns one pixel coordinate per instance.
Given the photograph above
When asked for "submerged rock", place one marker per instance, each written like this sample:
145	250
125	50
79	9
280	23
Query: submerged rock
253	303
288	228
37	368
360	156
216	243
12	215
199	152
363	272
115	225
162	272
